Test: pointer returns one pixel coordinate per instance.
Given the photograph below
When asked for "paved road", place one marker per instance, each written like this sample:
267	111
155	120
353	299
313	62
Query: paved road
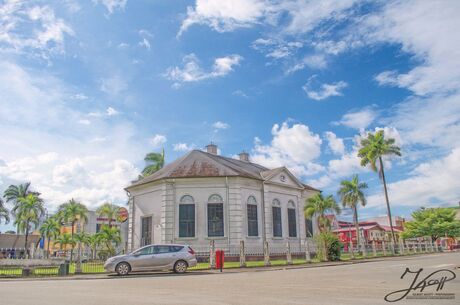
365	283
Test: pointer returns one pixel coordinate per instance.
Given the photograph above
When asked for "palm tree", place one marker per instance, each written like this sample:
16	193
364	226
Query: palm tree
108	210
28	211
50	229
110	236
64	240
14	192
155	161
93	242
319	205
73	212
351	193
4	213
82	238
373	149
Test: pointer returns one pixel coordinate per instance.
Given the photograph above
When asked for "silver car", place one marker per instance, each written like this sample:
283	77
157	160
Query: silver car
153	257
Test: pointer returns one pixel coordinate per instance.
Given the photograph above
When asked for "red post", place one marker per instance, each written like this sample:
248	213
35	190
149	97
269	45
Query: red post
220	257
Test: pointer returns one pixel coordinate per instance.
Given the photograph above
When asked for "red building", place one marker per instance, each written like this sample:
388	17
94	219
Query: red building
369	231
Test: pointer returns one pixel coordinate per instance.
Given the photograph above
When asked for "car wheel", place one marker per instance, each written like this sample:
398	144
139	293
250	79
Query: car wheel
180	267
123	268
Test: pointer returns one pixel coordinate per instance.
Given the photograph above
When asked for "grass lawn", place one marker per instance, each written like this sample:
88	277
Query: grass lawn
98	267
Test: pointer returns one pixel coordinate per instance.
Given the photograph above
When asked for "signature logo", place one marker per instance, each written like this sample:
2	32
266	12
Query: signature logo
437	279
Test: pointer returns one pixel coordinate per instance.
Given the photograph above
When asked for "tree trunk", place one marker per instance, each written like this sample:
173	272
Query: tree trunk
72	245
388	203
48	248
355	220
26	239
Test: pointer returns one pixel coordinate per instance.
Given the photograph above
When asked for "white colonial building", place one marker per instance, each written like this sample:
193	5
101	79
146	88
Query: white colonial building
203	196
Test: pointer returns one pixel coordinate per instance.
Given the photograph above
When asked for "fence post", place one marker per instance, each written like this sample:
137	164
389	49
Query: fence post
401	246
414	247
374	250
383	248
419	245
212	257
307	252
242	254
266	254
288	254
350	247
363	247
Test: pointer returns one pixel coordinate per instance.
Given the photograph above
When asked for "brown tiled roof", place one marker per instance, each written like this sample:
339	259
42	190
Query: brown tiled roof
198	163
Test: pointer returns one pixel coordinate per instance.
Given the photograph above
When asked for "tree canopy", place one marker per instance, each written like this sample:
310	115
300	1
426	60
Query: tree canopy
433	222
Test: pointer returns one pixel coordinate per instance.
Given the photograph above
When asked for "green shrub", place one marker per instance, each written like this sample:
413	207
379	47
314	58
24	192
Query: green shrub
329	246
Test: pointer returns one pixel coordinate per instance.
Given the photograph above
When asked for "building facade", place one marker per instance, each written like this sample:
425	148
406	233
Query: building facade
203	196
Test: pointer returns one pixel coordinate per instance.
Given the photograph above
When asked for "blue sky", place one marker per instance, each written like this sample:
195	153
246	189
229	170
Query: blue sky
89	87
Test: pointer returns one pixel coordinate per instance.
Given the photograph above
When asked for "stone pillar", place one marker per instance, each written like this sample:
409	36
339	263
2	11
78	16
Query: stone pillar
401	246
350	250
288	254
363	247
242	254
419	245
374	250
307	252
266	254
383	248
414	247
212	256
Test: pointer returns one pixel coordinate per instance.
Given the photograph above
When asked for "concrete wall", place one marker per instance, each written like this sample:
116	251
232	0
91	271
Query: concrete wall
162	200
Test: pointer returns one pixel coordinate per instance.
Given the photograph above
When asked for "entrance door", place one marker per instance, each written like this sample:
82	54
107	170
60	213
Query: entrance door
146	231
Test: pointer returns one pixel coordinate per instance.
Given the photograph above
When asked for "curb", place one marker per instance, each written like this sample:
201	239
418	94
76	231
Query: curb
106	276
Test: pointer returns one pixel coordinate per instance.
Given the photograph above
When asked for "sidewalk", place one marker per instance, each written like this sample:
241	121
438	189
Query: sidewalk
98	276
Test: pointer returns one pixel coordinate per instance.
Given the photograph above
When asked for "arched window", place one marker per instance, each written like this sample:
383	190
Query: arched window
215	216
187	216
253	226
292	219
276	213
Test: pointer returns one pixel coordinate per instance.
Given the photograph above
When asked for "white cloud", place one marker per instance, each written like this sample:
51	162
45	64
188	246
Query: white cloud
183	147
145	43
220	125
224	15
335	144
240	93
317	61
358	119
111	111
428	31
122	45
41	32
325	90
346	165
431	183
295	147
79	96
113	85
158	140
192	72
229	15
37	143
275	48
84	122
432	121
112	5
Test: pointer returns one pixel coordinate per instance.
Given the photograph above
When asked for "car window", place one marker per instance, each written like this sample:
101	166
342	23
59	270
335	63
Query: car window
175	248
145	251
161	249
